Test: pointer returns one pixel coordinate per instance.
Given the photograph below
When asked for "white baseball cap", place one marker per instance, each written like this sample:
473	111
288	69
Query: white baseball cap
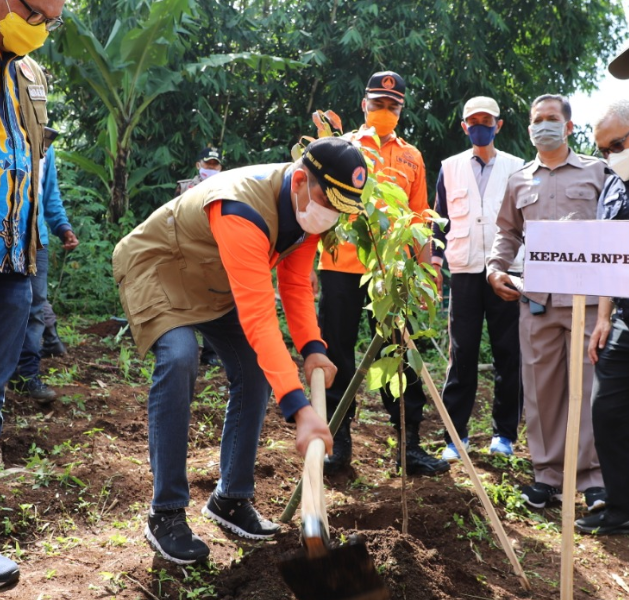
481	104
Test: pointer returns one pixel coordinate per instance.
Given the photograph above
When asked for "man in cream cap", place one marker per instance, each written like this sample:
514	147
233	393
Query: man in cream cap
470	189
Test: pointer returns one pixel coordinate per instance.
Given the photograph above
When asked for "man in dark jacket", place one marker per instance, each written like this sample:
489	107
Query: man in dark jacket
609	345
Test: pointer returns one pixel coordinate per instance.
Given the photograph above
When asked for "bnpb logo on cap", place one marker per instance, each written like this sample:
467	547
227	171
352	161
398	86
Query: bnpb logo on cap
388	83
359	177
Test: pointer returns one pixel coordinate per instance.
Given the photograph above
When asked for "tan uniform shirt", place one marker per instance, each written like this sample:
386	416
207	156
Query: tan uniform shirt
537	193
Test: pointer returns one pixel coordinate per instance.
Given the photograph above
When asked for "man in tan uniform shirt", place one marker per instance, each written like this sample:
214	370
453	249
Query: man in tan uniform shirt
557	184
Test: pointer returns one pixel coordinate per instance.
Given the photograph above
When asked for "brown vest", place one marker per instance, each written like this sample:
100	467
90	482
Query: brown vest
169	269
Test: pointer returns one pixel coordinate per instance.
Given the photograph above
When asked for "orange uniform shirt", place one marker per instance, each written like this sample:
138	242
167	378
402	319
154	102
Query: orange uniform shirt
404	164
244	251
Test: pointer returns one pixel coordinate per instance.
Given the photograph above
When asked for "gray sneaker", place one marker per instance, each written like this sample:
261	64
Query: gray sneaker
238	515
168	532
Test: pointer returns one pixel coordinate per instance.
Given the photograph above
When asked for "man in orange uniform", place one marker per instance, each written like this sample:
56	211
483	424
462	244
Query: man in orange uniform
204	261
343	298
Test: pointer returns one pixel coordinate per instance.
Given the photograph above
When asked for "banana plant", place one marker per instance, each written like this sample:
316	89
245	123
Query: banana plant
141	60
127	73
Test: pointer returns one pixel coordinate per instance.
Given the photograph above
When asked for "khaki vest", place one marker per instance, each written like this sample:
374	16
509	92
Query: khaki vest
169	269
34	118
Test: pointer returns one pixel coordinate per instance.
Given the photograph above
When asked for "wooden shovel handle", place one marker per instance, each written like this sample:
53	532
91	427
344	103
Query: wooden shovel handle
317	393
313	493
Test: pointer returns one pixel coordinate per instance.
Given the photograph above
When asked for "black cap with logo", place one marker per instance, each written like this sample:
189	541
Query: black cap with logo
210	154
386	84
340	170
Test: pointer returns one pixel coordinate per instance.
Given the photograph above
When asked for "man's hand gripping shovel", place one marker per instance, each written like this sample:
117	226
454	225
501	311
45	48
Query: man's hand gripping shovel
321	571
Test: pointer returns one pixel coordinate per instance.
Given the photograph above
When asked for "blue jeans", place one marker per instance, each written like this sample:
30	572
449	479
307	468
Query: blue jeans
176	364
30	357
15	303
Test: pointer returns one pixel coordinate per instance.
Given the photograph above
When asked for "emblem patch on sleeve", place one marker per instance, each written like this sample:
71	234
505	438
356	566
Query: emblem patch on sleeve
27	71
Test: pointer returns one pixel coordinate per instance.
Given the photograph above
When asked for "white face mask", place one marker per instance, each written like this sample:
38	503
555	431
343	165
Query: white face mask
316	218
205	173
619	163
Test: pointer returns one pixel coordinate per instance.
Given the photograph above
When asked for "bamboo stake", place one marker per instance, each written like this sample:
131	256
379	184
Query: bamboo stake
572	446
339	413
341	410
469	467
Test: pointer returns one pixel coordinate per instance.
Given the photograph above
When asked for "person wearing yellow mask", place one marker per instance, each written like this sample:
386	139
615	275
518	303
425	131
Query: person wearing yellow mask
23	28
343	299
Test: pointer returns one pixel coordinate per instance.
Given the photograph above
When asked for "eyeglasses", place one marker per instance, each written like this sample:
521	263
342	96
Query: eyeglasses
36	18
616	146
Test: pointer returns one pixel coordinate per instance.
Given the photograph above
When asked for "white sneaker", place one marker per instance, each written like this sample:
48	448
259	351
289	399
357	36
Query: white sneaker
501	445
451	454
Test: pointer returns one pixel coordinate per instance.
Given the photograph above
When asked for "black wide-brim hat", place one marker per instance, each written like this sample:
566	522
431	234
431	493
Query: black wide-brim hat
341	171
619	66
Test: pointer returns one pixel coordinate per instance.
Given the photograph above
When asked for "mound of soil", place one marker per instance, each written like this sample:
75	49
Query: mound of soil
76	488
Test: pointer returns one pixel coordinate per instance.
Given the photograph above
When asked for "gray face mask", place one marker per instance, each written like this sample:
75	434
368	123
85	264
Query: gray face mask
547	135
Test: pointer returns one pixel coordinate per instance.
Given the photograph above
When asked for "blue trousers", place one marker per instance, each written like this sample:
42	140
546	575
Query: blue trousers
176	364
15	303
30	357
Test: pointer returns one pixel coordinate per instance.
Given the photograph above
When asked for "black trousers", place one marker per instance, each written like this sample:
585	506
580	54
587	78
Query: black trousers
341	307
472	299
610	414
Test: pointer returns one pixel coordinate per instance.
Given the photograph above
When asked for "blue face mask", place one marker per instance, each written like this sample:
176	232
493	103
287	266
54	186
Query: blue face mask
481	135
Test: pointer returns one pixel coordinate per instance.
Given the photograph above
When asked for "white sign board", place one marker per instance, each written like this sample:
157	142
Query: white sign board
577	257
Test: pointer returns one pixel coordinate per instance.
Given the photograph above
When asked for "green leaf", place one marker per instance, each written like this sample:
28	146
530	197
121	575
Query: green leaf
260	62
86	164
394	385
415	360
381	371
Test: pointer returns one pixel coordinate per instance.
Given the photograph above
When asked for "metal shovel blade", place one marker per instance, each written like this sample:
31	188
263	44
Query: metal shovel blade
343	573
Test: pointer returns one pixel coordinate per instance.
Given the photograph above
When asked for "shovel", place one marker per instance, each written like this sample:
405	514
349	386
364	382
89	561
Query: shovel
319	571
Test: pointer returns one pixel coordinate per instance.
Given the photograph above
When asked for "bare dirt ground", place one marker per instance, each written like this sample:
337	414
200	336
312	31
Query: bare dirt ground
76	487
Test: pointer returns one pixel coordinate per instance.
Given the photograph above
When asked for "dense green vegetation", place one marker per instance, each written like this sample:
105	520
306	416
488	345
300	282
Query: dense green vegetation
139	86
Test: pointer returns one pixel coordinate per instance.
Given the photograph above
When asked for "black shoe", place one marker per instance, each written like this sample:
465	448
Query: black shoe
342	452
35	388
9	571
595	498
211	360
238	515
52	345
419	462
538	494
606	522
168	532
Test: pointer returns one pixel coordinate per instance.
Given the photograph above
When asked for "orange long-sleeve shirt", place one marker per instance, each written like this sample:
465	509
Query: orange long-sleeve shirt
401	162
244	250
